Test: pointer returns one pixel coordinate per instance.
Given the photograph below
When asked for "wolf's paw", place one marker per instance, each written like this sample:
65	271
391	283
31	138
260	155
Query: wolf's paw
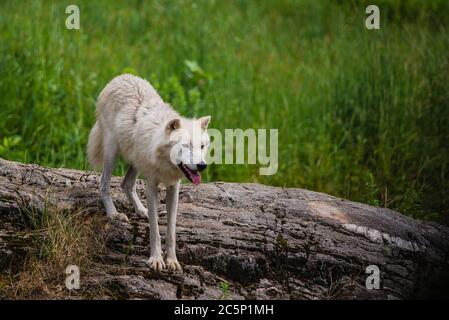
119	217
142	213
172	264
156	263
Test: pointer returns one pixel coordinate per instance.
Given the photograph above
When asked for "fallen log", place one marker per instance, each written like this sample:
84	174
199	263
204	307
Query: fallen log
264	242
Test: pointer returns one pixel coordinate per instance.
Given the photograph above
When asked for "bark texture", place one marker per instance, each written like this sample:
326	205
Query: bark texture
265	242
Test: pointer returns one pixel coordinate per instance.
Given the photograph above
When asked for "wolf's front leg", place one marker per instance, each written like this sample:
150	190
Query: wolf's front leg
172	208
155	262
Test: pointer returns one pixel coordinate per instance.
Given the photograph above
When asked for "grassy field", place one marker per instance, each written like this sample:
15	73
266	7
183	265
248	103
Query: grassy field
361	114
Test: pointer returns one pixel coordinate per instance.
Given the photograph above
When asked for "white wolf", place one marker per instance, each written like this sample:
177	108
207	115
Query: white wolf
157	142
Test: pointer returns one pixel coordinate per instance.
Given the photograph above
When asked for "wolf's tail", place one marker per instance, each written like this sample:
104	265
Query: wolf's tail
95	146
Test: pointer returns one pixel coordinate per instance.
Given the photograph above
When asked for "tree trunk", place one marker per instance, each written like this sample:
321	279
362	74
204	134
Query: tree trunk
265	242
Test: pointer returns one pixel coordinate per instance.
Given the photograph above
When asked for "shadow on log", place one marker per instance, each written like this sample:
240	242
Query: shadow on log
265	242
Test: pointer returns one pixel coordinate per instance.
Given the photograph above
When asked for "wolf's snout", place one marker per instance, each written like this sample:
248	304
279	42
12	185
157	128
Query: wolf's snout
201	166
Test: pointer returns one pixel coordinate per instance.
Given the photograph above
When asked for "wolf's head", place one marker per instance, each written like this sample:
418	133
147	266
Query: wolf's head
188	145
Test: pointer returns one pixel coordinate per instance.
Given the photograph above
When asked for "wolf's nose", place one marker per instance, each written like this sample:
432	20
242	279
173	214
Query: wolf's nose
201	166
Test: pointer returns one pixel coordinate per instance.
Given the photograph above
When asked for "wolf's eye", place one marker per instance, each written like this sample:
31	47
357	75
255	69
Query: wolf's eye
202	146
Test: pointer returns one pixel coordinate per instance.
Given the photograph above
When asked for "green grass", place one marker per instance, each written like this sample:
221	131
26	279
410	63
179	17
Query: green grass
224	288
361	114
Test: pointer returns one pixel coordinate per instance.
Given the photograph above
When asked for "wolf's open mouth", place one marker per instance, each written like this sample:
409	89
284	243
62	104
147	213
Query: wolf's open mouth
192	175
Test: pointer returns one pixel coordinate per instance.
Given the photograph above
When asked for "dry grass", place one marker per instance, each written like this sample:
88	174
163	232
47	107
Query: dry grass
57	239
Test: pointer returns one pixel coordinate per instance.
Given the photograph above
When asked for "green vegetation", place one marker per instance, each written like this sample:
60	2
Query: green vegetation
224	288
361	114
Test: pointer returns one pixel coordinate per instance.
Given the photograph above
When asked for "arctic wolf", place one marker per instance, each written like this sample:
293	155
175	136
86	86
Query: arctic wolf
157	142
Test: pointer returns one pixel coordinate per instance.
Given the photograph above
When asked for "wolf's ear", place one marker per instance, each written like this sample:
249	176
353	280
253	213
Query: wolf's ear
173	125
204	122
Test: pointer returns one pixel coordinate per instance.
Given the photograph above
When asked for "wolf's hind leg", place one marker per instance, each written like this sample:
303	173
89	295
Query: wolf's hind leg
129	187
110	153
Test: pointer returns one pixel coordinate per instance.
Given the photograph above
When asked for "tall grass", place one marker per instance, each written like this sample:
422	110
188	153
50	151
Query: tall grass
55	239
361	114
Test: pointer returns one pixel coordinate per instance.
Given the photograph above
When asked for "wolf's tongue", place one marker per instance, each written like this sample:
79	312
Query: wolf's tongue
196	178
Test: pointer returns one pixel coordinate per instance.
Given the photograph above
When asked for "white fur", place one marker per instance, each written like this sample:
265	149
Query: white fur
133	120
